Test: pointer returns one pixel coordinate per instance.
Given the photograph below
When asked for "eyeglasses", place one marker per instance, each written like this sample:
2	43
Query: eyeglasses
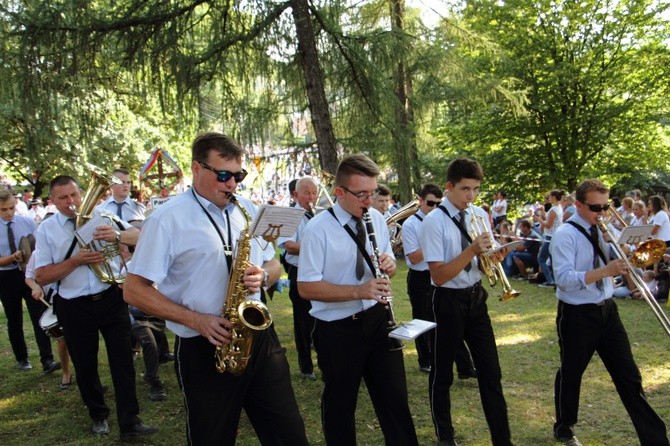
362	196
598	207
224	175
432	203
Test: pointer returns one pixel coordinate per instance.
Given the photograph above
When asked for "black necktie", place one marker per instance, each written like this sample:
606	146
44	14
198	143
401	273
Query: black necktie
10	238
119	207
596	242
464	241
360	261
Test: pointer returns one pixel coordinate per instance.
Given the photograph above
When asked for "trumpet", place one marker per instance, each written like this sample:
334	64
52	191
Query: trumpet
491	268
646	254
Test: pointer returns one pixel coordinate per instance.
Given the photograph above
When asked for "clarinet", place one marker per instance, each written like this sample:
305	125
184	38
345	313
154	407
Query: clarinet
395	344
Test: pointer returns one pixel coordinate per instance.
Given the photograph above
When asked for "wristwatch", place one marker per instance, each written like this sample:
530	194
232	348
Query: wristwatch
265	283
118	236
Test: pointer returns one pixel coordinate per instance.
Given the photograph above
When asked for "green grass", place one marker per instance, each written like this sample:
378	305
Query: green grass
34	411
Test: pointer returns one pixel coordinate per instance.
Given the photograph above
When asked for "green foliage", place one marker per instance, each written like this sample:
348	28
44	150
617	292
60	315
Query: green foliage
594	79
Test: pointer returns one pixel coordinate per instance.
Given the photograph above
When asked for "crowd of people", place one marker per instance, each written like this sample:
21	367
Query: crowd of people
342	309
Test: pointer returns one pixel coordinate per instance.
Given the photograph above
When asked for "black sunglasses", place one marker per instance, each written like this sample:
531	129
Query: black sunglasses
598	207
432	203
224	175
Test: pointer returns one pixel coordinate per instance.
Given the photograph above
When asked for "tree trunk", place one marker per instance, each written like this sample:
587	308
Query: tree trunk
314	83
403	133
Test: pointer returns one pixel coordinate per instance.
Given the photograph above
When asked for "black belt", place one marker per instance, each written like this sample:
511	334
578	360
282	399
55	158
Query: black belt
470	291
360	314
98	296
599	304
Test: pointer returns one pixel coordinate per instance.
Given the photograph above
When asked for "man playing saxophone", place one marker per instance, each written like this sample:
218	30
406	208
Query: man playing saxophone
188	248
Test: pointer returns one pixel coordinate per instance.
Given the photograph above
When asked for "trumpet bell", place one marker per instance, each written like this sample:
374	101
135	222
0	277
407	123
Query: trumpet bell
647	253
509	295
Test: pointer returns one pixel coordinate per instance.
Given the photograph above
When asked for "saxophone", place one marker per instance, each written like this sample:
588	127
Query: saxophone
246	315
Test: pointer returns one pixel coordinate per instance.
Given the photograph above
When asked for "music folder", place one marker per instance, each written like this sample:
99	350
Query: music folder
272	221
632	235
412	329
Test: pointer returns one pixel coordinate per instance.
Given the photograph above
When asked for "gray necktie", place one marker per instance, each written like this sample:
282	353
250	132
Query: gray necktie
360	261
10	239
464	241
119	207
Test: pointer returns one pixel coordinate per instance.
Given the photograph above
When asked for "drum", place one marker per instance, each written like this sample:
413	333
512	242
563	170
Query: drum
50	325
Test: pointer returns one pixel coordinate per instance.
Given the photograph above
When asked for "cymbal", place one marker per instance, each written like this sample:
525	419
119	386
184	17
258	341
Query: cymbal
26	246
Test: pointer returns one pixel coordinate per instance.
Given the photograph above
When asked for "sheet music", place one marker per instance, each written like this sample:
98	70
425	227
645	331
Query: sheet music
412	329
85	232
276	221
509	246
632	235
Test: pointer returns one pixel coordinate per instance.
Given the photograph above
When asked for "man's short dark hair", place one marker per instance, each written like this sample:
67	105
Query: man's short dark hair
357	164
430	188
383	190
291	185
225	146
591	185
121	170
463	167
61	180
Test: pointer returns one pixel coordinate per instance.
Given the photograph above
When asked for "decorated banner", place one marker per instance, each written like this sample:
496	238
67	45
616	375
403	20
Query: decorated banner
160	175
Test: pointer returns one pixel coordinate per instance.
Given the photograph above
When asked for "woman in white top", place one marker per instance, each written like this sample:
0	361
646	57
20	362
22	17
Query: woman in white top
658	216
499	208
549	223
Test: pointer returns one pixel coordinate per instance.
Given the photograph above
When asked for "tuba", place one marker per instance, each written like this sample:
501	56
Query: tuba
491	268
394	223
246	315
105	271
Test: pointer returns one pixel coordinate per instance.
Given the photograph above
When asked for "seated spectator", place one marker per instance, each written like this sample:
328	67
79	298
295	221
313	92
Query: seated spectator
639	217
658	216
568	204
524	257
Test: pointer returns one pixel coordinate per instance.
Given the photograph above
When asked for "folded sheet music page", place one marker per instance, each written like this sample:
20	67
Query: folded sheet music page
632	235
276	221
412	329
84	233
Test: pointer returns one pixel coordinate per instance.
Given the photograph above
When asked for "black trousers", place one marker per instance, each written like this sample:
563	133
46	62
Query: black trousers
150	333
214	400
419	291
462	314
354	348
583	330
13	290
82	319
303	323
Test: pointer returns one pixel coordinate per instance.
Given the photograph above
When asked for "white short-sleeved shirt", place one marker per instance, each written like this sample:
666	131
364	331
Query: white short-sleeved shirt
54	237
328	253
558	221
180	250
130	211
661	218
441	242
411	229
22	226
296	237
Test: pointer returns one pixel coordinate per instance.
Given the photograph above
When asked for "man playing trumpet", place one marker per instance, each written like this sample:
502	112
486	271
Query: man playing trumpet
459	301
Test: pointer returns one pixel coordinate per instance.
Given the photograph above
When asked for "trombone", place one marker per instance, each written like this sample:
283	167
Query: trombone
492	269
646	254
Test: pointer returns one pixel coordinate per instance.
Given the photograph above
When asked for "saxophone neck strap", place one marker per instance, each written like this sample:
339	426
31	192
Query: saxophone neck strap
227	247
360	245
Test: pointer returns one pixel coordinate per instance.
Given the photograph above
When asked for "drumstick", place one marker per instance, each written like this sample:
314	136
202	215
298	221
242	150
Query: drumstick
45	302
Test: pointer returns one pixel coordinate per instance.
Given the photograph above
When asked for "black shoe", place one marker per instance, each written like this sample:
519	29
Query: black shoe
425	368
138	430
165	358
447	442
50	365
156	391
308	376
100	427
568	441
65	385
472	373
24	365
